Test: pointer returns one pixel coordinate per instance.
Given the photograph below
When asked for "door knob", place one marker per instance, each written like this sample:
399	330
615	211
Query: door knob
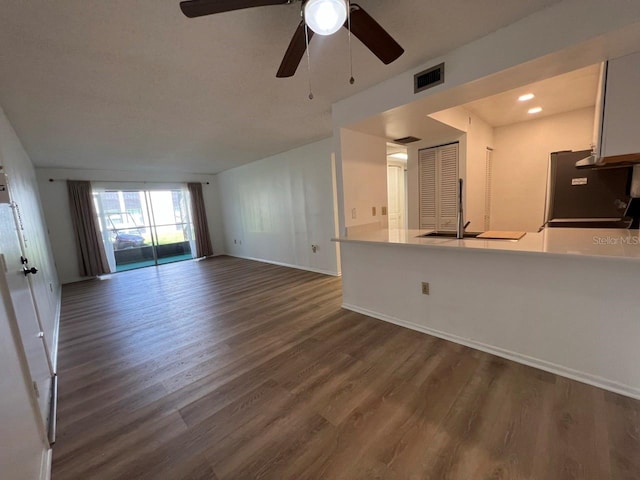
27	271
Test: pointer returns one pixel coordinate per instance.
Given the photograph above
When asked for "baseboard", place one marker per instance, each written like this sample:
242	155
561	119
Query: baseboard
56	331
282	264
213	255
45	469
577	375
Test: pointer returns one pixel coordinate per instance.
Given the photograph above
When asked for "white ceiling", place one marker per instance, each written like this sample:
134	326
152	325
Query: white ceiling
564	93
413	122
135	85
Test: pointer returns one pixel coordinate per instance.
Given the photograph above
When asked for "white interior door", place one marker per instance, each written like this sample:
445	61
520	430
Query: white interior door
396	196
40	315
16	286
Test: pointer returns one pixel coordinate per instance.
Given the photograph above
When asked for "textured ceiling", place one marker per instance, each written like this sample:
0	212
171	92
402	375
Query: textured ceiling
135	85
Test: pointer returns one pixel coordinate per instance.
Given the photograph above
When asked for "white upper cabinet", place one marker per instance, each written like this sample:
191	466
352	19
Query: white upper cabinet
621	124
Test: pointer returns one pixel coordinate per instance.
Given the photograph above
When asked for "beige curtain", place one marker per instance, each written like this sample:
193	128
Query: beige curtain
200	225
91	255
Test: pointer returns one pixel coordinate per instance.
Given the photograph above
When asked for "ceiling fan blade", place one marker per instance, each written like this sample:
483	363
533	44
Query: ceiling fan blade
199	8
294	53
373	35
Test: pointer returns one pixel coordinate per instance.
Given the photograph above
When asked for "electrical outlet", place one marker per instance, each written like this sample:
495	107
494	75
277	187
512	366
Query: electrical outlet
373	211
384	210
353	213
425	288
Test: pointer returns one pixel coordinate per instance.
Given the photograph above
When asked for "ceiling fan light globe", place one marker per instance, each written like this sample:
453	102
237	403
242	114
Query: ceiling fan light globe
325	17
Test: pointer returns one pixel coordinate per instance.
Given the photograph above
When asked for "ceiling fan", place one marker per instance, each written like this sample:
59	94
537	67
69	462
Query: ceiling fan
324	17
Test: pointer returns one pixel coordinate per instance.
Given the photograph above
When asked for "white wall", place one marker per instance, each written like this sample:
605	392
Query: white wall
276	208
539	309
56	208
520	165
479	136
21	449
24	191
364	177
21	446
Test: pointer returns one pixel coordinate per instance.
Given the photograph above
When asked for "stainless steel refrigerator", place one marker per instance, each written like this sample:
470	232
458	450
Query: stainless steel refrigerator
596	198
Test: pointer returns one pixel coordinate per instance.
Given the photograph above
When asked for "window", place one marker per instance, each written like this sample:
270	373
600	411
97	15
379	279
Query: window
142	228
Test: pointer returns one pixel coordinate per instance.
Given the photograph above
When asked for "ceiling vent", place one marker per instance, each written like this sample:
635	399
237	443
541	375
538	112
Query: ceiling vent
428	78
406	140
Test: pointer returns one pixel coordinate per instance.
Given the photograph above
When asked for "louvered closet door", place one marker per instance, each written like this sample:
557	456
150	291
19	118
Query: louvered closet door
447	192
427	187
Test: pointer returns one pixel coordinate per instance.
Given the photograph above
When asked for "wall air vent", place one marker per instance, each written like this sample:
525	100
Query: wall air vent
428	78
406	140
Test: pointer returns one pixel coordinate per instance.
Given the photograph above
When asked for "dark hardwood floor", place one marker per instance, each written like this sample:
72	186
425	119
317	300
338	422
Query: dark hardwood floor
231	369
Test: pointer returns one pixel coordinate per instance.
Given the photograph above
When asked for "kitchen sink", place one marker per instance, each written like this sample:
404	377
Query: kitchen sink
449	235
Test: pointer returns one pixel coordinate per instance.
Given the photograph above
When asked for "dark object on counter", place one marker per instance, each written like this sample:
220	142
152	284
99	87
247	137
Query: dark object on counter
597	198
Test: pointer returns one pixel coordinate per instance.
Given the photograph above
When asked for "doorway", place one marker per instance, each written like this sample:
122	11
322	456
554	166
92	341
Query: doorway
397	186
143	228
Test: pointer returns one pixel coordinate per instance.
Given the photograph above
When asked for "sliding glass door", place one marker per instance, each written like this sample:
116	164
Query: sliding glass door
142	228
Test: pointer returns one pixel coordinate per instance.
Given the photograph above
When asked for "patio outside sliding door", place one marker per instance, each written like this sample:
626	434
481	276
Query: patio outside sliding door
143	228
172	229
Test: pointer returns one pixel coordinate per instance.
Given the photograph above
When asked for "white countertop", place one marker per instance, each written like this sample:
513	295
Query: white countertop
591	242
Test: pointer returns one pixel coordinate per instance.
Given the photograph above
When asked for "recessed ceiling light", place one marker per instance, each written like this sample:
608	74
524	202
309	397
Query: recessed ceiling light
535	110
399	156
526	97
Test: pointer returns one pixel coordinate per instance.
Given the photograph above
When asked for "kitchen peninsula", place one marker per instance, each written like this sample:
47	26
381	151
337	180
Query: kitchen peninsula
562	300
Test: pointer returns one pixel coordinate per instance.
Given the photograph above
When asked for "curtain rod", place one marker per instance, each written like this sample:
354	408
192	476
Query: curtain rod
116	181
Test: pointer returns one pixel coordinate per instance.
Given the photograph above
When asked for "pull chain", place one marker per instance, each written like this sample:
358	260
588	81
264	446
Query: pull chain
306	36
351	80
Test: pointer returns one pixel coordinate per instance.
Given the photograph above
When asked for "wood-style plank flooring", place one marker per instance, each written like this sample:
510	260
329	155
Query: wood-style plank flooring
232	369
